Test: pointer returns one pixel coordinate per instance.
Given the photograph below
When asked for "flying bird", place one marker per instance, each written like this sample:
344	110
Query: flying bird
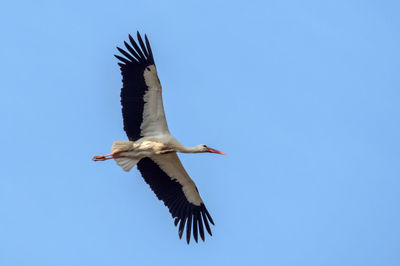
151	146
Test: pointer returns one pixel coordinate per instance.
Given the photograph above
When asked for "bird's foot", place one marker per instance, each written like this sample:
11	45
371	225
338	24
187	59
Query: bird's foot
101	157
107	156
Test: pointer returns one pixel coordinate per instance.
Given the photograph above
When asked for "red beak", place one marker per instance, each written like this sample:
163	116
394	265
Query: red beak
216	151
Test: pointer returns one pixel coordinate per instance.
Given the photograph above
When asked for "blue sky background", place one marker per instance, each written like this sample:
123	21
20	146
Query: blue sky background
302	95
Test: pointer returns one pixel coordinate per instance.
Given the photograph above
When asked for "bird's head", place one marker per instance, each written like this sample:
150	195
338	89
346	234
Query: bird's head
205	148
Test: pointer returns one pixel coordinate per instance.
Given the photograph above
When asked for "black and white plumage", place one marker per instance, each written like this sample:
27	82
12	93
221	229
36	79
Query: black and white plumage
151	146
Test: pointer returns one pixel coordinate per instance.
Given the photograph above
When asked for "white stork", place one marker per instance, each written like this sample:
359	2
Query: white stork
151	146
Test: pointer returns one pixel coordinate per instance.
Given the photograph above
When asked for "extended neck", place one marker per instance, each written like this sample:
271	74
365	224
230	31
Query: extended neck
184	149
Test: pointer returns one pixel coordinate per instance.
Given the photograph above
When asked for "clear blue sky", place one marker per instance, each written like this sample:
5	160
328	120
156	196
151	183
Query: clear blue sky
304	96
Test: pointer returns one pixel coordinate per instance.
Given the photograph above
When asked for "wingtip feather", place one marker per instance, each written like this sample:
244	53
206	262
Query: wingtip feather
189	229
195	232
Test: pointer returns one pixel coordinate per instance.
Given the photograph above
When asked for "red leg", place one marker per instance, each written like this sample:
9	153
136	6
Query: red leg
107	156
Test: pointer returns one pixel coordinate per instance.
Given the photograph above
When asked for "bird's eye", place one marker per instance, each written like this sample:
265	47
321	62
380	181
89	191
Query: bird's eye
205	146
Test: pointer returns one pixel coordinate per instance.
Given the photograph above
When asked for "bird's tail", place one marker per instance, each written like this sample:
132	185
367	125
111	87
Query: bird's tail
120	145
127	163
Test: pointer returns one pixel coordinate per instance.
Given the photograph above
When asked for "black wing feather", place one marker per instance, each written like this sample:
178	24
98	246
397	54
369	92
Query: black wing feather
126	61
206	222
181	226
195	232
188	228
142	45
132	51
127	55
180	208
134	86
201	228
148	46
137	49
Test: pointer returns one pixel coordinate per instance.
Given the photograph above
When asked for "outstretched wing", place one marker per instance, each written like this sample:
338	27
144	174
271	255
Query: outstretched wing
171	183
141	96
